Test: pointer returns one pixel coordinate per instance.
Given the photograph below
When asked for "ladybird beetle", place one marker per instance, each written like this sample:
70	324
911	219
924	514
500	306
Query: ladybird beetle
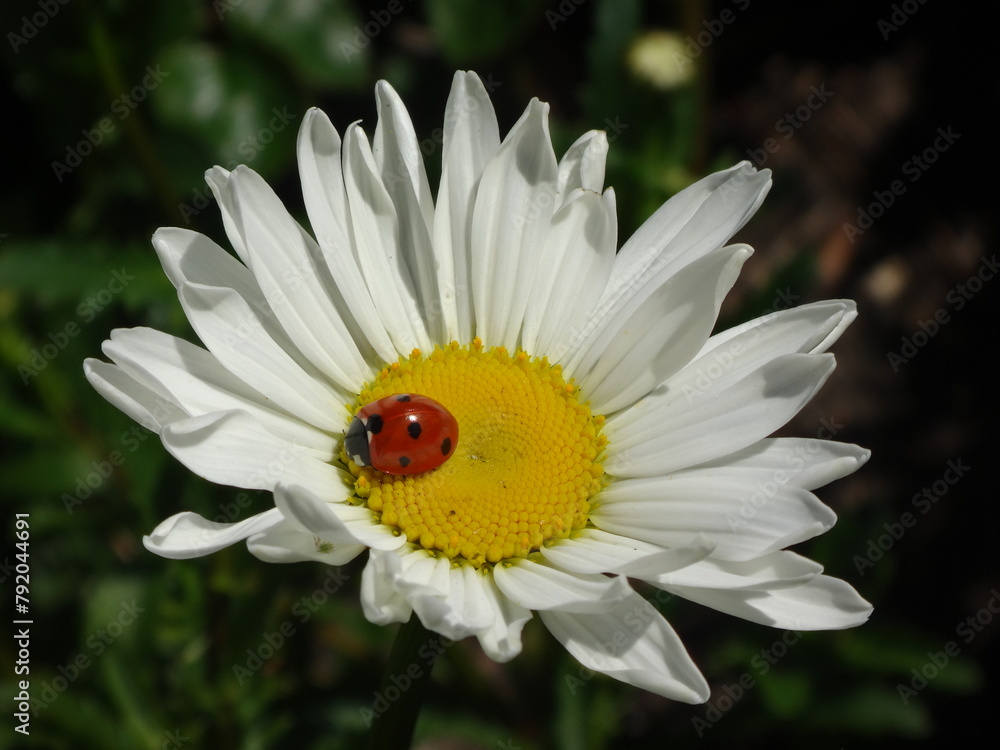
401	434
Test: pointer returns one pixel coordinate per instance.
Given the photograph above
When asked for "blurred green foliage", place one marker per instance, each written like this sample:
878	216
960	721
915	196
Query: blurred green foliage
122	107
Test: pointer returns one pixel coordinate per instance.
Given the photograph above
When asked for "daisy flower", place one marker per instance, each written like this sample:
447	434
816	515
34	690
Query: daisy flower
603	433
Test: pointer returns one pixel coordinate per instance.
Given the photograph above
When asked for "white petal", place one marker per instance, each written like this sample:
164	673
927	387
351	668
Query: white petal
582	168
232	448
145	406
502	640
285	542
802	462
471	137
322	176
318	148
632	643
824	603
296	280
233	332
693	223
449	600
697	220
397	154
334	522
513	208
536	586
422	568
665	432
733	354
191	258
572	270
744	521
468	607
192	377
188	535
779	569
644	345
376	233
807	329
217	177
400	162
597	551
380	601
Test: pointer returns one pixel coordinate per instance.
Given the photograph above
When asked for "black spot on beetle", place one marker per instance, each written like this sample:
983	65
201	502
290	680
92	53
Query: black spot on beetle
403	397
375	424
414	429
404	461
446	446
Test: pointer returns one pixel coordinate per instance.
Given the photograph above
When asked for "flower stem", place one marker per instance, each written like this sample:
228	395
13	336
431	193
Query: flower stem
403	685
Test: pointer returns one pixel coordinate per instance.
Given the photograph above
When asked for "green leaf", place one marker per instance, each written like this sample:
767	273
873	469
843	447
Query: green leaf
113	608
470	30
607	88
136	706
20	421
77	719
324	41
785	694
898	650
46	470
89	277
870	710
237	104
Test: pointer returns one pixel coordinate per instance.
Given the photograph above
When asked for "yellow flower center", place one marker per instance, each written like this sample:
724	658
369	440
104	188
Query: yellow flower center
525	467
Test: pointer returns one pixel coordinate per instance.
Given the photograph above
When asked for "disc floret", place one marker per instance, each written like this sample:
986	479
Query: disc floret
524	470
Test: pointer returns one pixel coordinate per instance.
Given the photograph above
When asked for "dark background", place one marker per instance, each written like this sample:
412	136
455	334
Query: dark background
227	82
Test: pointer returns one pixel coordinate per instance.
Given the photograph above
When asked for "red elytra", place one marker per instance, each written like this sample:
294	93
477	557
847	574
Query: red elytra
402	434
